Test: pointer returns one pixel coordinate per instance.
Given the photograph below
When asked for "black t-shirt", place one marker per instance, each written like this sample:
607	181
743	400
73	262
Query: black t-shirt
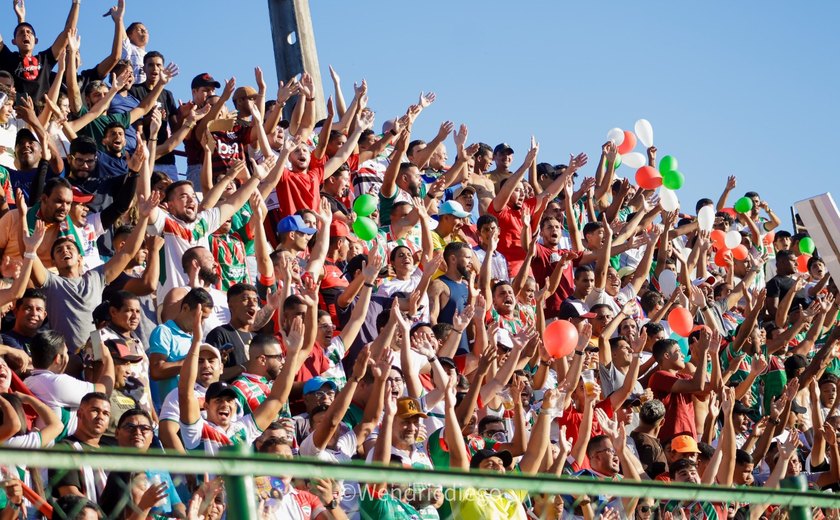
336	205
32	74
72	477
15	340
778	287
166	101
226	338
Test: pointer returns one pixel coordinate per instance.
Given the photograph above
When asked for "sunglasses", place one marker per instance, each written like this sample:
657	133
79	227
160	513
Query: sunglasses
646	509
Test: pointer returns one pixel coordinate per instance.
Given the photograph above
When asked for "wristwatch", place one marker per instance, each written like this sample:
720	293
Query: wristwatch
332	505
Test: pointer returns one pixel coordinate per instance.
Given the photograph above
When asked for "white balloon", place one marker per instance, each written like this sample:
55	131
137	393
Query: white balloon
644	132
634	160
732	239
616	135
667	282
668	200
706	218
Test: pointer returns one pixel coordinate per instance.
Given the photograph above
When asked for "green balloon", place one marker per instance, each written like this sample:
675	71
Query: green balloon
364	228
364	205
667	164
743	205
807	246
673	180
617	161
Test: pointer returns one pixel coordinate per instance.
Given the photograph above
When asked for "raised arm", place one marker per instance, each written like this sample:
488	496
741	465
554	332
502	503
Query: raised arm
538	443
501	199
117	14
233	203
190	409
327	427
279	395
382	448
731	182
421	158
119	261
363	122
117	84
389	181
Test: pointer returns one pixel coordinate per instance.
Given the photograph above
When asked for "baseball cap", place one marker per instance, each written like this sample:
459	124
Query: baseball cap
408	407
210	348
219	389
547	170
204	80
316	383
120	351
245	91
25	134
454	208
486	453
502	148
339	228
684	444
464	189
80	196
570	309
294	223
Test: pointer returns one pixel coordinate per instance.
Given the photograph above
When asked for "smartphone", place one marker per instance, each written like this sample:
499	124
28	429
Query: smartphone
96	344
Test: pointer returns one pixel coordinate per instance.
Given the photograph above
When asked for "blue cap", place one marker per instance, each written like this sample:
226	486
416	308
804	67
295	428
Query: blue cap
315	384
294	223
454	208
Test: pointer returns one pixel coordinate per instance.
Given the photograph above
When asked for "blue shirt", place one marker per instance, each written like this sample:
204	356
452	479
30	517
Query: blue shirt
173	343
122	105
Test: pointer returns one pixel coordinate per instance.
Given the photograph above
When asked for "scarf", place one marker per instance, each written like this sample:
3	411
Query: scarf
65	229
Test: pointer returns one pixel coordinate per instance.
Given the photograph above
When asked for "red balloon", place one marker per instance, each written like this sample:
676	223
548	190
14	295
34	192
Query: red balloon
722	257
681	321
628	144
718	239
740	252
648	178
732	213
802	263
769	238
560	338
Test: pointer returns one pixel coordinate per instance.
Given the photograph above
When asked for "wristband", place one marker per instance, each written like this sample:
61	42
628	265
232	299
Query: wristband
392	132
432	359
545	363
368	284
150	139
579	352
332	505
458	331
30	256
704	309
310	99
354	379
774	422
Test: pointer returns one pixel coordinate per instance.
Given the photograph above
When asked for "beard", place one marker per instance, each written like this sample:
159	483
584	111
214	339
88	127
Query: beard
463	271
208	276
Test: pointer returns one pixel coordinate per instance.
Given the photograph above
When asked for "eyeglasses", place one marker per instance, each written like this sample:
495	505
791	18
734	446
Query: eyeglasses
610	451
84	161
273	356
395	380
320	394
142	428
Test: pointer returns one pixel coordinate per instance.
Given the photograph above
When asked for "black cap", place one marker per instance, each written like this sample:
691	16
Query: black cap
798	408
204	80
545	169
481	455
447	362
25	134
573	310
503	147
219	389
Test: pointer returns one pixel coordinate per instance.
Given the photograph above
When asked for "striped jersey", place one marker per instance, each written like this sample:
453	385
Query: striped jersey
205	436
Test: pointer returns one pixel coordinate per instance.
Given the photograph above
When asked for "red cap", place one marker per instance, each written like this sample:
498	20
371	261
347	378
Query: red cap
339	229
80	196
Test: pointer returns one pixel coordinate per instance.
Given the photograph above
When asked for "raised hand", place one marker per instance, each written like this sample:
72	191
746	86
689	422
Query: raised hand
445	129
365	120
26	110
485	361
198	322
169	72
731	182
33	242
360	89
334	75
361	364
138	159
286	90
426	99
461	319
576	162
608	426
758	364
307	86
460	138
155	121
153	496
294	338
20	10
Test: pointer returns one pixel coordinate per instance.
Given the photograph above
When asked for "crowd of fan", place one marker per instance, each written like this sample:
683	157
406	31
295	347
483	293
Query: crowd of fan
240	301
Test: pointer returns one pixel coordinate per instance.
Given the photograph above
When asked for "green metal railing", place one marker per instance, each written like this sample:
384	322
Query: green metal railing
244	465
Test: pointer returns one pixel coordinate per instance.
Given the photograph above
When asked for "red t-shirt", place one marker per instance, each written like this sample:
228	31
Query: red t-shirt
679	409
510	233
295	191
572	418
542	266
230	146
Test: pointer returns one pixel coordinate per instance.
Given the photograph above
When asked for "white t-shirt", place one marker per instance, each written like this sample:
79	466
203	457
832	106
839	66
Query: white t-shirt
59	392
88	235
170	410
179	236
344	450
625	294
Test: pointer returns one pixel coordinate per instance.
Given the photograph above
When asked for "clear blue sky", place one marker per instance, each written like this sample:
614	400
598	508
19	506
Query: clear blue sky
731	88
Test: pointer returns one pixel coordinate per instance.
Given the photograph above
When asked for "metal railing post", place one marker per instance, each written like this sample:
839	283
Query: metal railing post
239	489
